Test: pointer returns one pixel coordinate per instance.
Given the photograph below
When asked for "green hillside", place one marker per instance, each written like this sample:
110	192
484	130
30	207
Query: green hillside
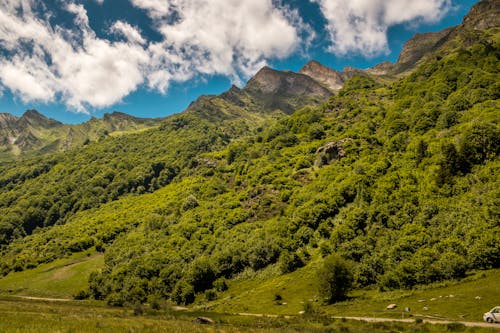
33	134
234	204
400	178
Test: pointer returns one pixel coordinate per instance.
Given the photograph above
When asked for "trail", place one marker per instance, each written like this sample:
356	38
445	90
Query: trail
375	319
429	321
367	319
43	298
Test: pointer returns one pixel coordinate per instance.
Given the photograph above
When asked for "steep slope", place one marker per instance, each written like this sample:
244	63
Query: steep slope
55	188
401	179
483	16
286	91
269	91
331	79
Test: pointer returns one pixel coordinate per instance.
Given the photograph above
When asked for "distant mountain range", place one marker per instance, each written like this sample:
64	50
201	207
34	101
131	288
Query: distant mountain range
35	134
269	90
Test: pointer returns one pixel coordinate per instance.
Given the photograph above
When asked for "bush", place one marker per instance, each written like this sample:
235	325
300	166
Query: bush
183	293
220	284
335	278
210	295
82	294
289	262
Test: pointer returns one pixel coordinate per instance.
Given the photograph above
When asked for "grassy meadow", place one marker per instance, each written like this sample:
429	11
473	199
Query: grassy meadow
17	315
62	278
263	292
464	300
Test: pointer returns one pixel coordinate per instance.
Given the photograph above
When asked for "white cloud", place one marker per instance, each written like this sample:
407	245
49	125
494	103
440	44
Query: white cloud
74	66
361	26
132	34
229	37
156	8
28	78
44	62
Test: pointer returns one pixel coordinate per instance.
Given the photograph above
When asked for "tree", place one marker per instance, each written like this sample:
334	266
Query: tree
335	278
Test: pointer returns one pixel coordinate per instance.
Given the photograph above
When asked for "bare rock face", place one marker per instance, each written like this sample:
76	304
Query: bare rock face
484	15
284	90
330	78
7	120
35	119
348	72
421	44
270	81
381	69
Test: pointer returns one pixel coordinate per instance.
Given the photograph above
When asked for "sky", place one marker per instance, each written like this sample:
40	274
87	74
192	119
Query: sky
72	60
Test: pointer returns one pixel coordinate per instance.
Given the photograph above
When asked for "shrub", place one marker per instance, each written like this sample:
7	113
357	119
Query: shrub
183	293
289	262
335	278
210	295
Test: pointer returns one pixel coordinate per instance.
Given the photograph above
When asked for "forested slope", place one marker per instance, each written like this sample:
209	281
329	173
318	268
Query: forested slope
399	178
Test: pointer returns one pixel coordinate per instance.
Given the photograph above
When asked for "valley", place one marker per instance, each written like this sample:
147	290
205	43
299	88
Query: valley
238	204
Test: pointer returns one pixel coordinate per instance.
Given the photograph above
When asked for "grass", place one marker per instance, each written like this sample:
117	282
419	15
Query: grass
61	278
264	292
18	315
464	300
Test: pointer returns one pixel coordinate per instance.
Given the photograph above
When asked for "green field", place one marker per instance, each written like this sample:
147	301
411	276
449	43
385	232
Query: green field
61	278
40	316
464	300
257	294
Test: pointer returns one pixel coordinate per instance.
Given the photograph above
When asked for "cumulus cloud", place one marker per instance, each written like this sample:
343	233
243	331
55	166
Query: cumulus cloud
229	37
361	26
41	61
69	63
132	34
46	63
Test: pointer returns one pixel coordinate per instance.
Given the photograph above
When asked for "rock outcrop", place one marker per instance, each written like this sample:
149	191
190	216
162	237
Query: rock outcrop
270	81
421	44
328	77
330	152
484	15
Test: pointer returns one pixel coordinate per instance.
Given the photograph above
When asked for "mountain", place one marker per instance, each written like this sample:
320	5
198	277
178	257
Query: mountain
267	92
35	134
397	174
330	78
284	90
483	16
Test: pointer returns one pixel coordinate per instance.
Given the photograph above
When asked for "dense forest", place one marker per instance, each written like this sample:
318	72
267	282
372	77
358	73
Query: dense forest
399	177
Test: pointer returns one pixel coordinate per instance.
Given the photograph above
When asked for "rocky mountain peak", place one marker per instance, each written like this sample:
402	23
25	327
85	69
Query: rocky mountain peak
484	15
116	115
7	120
35	118
421	44
267	80
381	69
330	78
271	81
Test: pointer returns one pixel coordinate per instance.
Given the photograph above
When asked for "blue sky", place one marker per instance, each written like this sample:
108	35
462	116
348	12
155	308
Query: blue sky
150	58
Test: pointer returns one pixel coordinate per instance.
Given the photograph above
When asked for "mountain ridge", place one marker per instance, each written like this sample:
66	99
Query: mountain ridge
33	133
400	178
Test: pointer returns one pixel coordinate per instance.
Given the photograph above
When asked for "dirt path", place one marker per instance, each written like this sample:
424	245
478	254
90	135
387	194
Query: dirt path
367	319
374	319
43	298
430	321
